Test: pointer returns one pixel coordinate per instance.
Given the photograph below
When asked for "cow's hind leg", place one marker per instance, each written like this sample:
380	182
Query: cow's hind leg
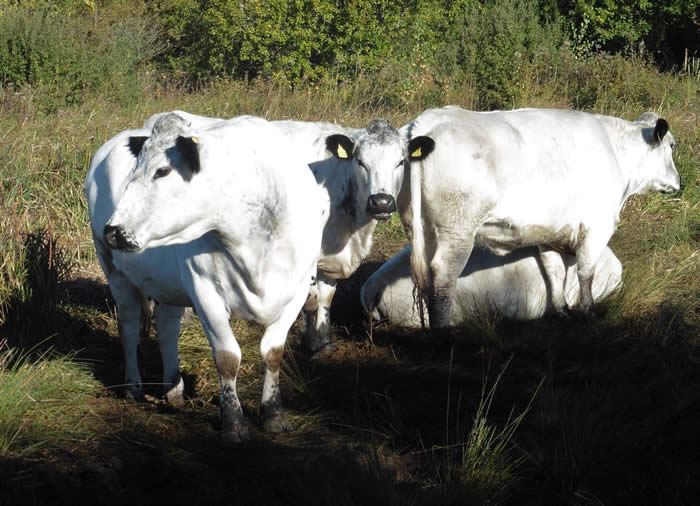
317	333
271	349
168	320
555	271
591	246
451	255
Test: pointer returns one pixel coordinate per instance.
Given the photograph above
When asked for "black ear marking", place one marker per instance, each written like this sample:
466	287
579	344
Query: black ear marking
135	144
420	147
340	145
188	148
660	130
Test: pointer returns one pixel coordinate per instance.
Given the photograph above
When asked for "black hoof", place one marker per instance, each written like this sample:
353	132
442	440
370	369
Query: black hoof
325	351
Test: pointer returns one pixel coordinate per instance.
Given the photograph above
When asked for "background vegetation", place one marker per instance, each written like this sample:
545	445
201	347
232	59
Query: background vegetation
543	412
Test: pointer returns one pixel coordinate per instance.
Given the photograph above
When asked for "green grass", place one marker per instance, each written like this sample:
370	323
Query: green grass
44	401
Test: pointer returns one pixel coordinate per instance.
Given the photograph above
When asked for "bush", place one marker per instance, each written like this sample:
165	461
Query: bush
69	55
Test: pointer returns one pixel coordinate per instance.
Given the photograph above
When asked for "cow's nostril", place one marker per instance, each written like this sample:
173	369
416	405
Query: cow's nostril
113	237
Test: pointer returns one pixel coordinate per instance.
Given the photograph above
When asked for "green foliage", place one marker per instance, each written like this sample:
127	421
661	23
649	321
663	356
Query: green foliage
615	24
301	38
68	55
492	44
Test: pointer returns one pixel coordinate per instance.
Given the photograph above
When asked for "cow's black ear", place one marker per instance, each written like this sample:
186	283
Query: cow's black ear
420	147
660	130
188	147
340	145
135	144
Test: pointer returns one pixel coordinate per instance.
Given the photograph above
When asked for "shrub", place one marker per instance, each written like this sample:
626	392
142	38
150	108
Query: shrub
68	55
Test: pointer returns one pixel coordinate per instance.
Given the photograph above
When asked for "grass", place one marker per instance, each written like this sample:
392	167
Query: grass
614	421
44	401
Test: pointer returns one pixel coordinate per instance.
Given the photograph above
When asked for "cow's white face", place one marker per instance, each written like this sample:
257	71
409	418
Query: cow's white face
161	204
378	163
657	168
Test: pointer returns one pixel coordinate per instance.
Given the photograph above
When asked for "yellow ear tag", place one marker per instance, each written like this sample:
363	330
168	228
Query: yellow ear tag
195	140
341	152
416	153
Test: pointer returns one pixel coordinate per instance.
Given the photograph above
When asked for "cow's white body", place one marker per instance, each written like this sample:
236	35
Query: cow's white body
347	237
503	180
511	286
240	237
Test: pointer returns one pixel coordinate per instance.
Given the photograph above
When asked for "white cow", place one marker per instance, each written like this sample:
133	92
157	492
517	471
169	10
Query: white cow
362	171
552	178
511	286
226	219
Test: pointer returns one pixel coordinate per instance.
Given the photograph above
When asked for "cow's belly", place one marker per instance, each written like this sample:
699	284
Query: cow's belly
504	236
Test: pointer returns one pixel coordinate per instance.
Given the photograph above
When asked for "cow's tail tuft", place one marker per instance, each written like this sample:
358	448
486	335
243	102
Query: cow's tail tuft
419	260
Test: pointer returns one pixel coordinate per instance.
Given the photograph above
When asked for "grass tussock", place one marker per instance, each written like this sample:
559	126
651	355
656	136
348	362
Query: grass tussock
44	401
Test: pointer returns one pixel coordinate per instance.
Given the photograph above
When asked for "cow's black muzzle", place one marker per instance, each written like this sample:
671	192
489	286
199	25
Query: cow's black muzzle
116	238
381	205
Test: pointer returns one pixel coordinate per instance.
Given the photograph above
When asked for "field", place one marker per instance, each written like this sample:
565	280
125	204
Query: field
545	412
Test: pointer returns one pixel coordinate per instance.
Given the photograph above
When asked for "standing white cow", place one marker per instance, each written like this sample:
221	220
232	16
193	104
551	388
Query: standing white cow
509	286
552	178
226	219
361	170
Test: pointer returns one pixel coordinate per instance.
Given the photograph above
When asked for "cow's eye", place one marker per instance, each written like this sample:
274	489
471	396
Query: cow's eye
400	164
162	172
359	162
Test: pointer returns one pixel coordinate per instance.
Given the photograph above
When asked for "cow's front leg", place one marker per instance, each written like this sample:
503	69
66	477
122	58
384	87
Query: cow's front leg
227	357
168	320
129	316
317	335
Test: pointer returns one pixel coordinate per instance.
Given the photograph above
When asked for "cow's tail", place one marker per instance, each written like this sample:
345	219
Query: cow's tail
146	317
419	260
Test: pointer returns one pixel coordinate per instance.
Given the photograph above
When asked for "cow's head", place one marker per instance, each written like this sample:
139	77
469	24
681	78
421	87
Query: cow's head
657	170
159	204
378	161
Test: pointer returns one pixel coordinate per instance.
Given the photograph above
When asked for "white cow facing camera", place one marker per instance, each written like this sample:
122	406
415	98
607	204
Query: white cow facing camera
220	217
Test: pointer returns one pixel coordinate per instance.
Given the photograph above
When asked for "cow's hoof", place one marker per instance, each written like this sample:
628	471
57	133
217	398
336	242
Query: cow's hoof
237	434
325	351
175	397
134	394
277	424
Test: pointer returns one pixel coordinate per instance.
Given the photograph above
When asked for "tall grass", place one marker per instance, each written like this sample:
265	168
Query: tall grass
43	401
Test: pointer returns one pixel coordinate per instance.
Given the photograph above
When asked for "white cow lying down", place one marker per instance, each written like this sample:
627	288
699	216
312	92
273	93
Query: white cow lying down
555	179
226	219
510	286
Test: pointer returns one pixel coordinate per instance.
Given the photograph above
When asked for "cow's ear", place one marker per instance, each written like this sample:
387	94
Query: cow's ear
420	147
188	147
340	146
660	130
135	144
